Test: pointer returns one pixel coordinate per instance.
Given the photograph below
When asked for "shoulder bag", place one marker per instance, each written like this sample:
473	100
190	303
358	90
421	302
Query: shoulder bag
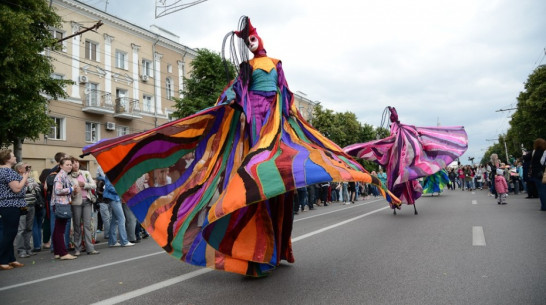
63	211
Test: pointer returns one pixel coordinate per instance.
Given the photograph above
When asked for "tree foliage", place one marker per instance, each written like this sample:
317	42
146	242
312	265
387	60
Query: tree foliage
344	129
528	121
25	72
206	83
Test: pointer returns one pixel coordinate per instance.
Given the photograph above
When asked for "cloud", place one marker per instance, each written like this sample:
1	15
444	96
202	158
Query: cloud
455	62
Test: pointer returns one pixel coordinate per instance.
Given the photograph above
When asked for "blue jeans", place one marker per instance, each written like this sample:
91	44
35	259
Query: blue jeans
117	220
66	230
37	228
541	189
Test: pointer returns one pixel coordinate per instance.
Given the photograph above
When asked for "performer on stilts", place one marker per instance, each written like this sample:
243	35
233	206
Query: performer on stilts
410	153
233	169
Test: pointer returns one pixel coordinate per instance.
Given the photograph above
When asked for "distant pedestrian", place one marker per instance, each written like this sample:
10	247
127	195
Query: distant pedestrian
501	186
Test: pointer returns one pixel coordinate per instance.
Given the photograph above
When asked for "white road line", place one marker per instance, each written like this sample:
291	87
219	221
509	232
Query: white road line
79	271
135	293
335	211
478	238
474	201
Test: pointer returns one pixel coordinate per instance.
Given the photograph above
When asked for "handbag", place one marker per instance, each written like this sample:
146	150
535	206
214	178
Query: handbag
63	211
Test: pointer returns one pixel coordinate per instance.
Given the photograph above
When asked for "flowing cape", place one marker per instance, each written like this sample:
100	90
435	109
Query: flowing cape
230	201
410	153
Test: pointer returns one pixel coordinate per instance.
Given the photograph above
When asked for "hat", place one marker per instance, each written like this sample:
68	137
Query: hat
500	172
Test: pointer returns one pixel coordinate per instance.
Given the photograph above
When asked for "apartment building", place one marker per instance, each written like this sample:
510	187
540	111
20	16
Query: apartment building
124	77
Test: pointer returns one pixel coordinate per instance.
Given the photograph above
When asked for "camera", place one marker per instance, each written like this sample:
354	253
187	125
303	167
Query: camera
28	167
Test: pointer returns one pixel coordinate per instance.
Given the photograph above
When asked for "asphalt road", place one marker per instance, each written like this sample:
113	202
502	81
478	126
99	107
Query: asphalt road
462	248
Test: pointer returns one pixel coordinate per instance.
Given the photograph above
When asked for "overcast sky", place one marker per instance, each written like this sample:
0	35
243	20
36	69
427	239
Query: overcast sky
453	62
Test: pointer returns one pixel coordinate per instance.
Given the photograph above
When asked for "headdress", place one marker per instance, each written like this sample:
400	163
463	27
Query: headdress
240	54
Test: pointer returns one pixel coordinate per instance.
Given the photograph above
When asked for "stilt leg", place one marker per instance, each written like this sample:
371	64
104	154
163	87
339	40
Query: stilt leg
415	209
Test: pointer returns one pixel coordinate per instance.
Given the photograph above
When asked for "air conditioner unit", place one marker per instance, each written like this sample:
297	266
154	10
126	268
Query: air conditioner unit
110	126
144	77
83	79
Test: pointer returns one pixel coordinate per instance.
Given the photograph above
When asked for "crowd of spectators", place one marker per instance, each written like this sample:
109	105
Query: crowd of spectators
27	211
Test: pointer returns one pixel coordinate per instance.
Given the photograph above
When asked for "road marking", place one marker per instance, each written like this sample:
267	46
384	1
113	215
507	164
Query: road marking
138	292
78	271
474	201
335	211
478	238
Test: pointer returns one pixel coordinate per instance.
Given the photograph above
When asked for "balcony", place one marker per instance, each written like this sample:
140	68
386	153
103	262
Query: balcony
97	101
127	108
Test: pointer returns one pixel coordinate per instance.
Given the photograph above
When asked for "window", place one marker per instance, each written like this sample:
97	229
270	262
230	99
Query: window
122	60
57	129
123	130
92	94
169	88
58	35
147	103
147	68
171	116
91	50
91	132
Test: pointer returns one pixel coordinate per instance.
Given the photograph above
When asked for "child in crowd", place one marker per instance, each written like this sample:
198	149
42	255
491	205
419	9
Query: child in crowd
501	186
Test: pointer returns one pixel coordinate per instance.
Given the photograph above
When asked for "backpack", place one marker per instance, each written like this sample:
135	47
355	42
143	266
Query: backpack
49	183
40	200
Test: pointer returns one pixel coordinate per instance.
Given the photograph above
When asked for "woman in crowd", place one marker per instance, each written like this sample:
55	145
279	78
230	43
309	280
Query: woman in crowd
538	161
82	208
63	190
12	199
22	240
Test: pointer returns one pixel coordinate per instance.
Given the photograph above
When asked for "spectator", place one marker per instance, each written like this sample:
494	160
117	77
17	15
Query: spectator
303	198
12	194
344	192
22	240
538	162
324	193
104	208
501	186
352	192
82	208
49	188
112	198
40	223
63	190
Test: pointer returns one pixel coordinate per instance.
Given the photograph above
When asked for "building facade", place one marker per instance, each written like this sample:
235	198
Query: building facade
124	78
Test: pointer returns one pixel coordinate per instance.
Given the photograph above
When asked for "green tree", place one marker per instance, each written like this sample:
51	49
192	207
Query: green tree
206	83
25	72
496	148
529	120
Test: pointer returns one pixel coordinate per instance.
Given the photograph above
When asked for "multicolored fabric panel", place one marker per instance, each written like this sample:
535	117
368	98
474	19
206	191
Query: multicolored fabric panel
412	152
218	195
435	183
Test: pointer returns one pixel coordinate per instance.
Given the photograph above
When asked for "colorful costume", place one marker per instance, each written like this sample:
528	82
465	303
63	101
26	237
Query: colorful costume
234	169
436	182
411	152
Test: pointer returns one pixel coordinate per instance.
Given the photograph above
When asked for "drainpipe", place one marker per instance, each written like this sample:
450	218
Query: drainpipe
155	86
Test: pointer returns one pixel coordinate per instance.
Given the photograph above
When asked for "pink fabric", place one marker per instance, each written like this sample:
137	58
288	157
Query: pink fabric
500	185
